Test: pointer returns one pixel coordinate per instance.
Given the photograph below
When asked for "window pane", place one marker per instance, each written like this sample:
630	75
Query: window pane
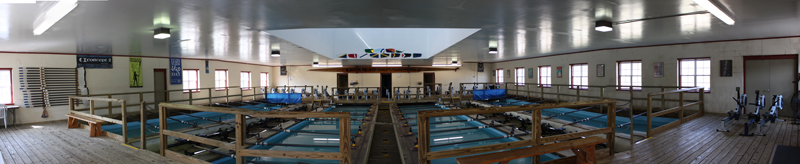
636	68
5	87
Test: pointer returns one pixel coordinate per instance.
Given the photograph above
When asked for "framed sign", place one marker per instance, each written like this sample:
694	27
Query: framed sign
94	61
480	67
530	73
658	69
508	73
726	68
175	71
601	70
136	72
283	71
558	72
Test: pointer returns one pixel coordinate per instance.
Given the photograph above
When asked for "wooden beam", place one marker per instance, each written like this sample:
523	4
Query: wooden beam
240	137
97	99
111	120
674	109
281	114
290	154
344	140
468	111
183	158
206	108
527	152
665	127
574	135
477	149
202	140
675	91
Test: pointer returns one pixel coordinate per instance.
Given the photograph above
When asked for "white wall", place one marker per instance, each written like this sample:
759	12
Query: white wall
115	80
722	88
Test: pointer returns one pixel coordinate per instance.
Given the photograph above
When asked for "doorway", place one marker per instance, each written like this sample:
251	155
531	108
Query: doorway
771	75
160	84
386	84
428	79
341	82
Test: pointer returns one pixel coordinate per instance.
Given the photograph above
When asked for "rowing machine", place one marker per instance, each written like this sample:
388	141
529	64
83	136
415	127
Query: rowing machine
736	113
754	117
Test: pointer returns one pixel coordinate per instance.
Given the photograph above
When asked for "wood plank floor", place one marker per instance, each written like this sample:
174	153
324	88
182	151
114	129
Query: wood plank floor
697	141
52	142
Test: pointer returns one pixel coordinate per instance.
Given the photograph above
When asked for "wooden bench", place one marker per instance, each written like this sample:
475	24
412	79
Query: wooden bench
583	149
94	128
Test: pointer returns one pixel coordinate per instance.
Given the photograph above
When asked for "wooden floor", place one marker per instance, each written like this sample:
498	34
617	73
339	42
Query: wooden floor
52	142
697	142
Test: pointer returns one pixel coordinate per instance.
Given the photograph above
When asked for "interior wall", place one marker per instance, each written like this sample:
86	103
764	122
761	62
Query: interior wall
722	88
115	80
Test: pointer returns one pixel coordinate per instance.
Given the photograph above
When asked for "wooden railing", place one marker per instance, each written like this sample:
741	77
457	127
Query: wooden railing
357	91
423	118
240	133
107	119
680	109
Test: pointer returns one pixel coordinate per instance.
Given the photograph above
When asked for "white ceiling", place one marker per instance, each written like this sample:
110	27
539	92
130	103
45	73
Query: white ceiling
235	30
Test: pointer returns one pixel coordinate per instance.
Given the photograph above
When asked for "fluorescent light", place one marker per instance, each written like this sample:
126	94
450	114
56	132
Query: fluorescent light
603	29
706	4
53	15
493	50
450	138
275	53
161	33
387	65
315	64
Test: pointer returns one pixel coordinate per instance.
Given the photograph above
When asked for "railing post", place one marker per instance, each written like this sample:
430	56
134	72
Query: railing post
71	105
611	136
558	93
190	97
141	96
702	101
424	139
209	97
227	96
109	106
162	125
663	99
528	89
541	92
680	104
536	131
143	122
255	93
344	137
630	104
91	107
124	122
602	96
649	114
240	138
578	94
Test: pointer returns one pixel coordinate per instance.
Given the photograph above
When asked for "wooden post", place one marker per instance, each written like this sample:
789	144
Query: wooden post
142	121
558	93
255	92
649	114
227	96
680	104
240	137
162	125
528	89
71	105
423	131
578	94
541	92
344	137
91	107
602	96
663	99
209	97
630	104
109	106
190	97
141	96
612	116
630	115
702	101
241	94
536	134
125	123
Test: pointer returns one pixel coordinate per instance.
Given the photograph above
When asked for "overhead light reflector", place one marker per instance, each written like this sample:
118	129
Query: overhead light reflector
275	53
603	26
706	4
492	50
161	33
53	15
387	65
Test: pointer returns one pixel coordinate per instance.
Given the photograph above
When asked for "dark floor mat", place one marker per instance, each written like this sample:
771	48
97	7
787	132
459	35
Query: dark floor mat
785	154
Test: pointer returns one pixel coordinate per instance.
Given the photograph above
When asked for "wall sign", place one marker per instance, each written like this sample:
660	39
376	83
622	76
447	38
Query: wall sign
658	69
93	61
726	68
136	72
283	71
530	73
558	72
480	67
175	71
601	70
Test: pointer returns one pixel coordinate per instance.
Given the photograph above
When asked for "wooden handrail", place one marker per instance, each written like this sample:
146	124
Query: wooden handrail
680	108
506	156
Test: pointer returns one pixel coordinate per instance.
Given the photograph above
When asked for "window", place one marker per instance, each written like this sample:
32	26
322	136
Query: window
6	90
519	75
695	73
190	80
245	76
221	79
629	73
579	76
544	76
499	75
264	80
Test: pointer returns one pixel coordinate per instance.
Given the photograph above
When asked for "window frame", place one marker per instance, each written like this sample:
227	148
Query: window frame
680	82
549	75
499	78
197	81
265	80
10	83
249	81
619	76
517	77
216	80
572	76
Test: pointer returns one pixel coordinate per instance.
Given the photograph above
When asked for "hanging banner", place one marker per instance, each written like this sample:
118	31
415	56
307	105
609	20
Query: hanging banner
175	71
136	72
93	61
206	65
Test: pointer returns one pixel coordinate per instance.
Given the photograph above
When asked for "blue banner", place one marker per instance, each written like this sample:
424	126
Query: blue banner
94	61
175	71
291	98
486	94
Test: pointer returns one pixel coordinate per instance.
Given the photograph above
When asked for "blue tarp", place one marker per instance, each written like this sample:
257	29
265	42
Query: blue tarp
488	94
290	98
